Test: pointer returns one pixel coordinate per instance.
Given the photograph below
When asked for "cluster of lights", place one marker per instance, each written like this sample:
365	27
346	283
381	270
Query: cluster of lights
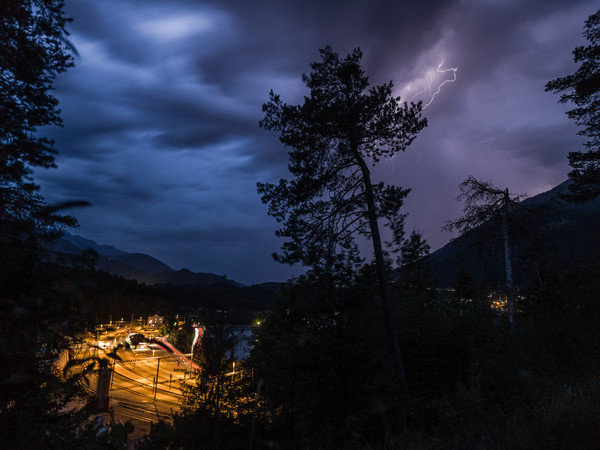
498	304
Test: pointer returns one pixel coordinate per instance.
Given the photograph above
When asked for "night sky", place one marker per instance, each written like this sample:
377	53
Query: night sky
161	112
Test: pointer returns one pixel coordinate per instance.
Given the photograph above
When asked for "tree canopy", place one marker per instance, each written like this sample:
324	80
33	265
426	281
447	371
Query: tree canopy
339	128
582	88
33	49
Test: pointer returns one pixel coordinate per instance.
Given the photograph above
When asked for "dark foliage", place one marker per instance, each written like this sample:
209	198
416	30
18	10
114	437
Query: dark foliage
582	89
224	297
39	309
101	296
182	335
319	375
322	362
414	268
33	48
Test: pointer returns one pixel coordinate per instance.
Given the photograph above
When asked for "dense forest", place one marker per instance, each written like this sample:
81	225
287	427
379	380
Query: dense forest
319	375
355	353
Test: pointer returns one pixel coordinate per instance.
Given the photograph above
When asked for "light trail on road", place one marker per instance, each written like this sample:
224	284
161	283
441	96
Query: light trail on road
143	388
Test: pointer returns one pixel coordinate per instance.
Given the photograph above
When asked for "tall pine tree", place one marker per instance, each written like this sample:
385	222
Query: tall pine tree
340	130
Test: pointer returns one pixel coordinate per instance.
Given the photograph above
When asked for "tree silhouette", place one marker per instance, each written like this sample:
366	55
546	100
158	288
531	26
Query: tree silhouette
339	129
582	88
33	49
483	202
414	269
38	312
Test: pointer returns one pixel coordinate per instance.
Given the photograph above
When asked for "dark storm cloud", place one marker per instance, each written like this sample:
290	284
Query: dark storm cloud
161	112
286	35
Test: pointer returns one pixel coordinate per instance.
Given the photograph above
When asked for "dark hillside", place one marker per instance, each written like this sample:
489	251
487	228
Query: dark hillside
135	266
549	236
102	296
223	296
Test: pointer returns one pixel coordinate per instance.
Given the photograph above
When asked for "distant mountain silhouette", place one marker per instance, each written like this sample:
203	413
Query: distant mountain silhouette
139	266
140	261
83	244
549	236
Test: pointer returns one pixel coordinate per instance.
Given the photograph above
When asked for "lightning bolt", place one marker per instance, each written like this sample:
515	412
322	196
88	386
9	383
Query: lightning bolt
440	70
431	75
427	89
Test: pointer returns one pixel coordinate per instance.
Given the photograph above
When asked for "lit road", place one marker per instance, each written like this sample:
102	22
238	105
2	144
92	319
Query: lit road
145	386
137	394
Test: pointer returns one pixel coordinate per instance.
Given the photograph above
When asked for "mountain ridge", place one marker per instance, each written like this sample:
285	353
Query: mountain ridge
561	235
139	266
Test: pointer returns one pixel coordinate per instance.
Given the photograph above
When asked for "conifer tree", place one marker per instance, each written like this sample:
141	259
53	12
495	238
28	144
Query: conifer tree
340	130
582	88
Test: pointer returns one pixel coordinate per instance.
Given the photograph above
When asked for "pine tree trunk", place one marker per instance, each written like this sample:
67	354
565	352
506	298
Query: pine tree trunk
507	263
385	293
